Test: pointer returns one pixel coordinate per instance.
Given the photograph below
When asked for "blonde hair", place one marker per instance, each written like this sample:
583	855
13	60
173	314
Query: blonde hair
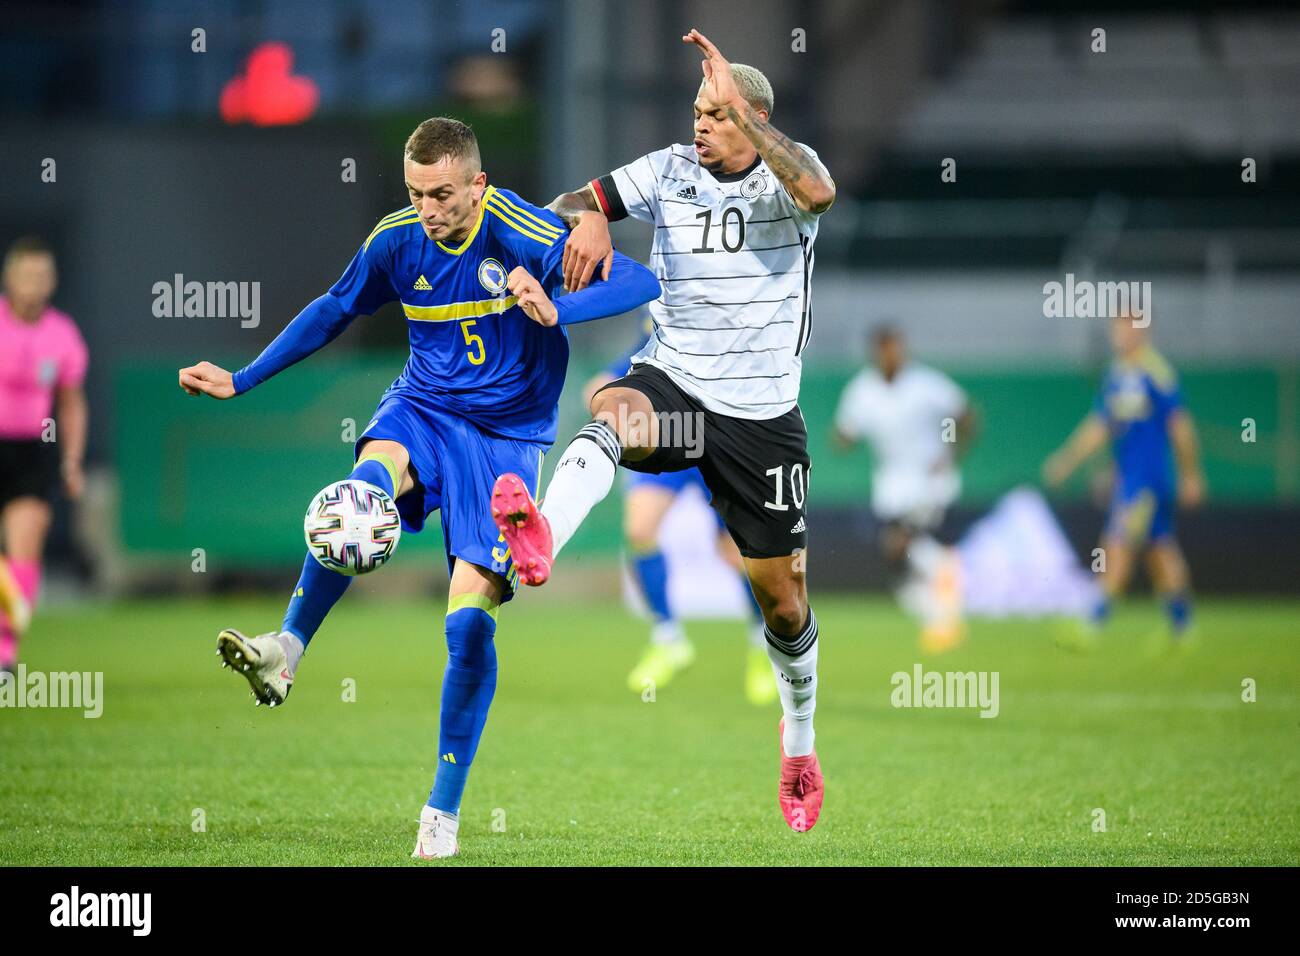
753	86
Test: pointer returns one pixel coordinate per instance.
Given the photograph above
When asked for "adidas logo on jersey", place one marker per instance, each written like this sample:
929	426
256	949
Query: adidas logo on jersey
687	193
422	284
799	526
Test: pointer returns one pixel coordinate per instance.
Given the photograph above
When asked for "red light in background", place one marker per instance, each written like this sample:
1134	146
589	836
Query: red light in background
267	93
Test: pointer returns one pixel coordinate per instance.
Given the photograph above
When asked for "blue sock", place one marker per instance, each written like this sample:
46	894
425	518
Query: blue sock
1179	608
318	588
652	574
467	688
1099	612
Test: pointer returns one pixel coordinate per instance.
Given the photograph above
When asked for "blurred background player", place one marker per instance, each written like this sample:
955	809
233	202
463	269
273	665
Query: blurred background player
42	366
918	424
478	394
647	499
1140	411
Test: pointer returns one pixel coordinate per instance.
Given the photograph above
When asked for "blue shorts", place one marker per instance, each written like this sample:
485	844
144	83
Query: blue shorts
455	465
674	482
1141	516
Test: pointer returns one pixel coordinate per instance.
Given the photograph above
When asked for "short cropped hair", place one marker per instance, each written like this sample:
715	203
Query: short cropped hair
442	136
26	246
753	86
885	332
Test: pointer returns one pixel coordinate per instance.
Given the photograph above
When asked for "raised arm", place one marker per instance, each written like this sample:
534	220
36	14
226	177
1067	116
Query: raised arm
804	178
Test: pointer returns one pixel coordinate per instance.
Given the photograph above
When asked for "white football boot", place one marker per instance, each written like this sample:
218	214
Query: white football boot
262	660
437	836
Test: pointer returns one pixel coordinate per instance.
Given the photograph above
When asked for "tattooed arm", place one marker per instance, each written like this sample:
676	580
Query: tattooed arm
588	245
571	206
805	178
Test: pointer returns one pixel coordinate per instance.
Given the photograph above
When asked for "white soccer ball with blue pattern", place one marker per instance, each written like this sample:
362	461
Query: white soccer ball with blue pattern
352	527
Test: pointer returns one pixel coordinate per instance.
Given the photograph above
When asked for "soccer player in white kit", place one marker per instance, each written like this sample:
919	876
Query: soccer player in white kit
918	423
717	384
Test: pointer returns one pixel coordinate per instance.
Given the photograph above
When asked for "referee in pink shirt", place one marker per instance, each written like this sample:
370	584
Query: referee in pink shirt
42	366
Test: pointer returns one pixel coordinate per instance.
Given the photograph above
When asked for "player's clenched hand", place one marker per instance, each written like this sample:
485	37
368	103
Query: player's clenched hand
208	379
536	304
588	246
719	85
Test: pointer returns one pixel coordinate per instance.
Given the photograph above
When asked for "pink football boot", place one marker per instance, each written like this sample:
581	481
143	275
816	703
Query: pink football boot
801	788
525	529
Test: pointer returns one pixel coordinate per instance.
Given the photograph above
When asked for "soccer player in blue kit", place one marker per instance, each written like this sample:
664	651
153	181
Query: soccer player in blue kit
1140	412
477	270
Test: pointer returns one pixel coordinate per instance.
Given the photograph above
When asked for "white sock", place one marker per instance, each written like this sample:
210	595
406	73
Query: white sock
293	648
794	659
583	477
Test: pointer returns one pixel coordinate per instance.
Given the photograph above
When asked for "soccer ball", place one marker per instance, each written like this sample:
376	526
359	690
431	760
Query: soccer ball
352	527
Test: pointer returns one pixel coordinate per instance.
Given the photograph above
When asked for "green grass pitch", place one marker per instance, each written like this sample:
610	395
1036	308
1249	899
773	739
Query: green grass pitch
574	769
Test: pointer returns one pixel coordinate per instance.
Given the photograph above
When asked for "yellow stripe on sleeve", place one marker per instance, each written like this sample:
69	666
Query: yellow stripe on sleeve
404	211
541	225
390	225
505	216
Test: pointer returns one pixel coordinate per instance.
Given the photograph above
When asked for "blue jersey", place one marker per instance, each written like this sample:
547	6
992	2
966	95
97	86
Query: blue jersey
473	350
1136	401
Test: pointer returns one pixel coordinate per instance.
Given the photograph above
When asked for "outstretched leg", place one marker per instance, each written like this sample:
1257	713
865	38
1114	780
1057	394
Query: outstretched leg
624	428
269	661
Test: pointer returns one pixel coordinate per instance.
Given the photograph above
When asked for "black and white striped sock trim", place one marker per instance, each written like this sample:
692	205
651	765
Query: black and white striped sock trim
798	645
605	438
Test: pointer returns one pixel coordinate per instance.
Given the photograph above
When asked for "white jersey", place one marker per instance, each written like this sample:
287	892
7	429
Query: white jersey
904	422
735	257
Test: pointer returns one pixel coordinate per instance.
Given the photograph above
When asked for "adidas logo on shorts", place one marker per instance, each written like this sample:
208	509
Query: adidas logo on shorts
799	526
687	193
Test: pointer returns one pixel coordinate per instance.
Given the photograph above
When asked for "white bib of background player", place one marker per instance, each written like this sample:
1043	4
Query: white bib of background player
905	422
734	254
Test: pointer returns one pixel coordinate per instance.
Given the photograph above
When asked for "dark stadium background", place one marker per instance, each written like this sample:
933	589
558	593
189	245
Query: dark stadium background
1121	165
